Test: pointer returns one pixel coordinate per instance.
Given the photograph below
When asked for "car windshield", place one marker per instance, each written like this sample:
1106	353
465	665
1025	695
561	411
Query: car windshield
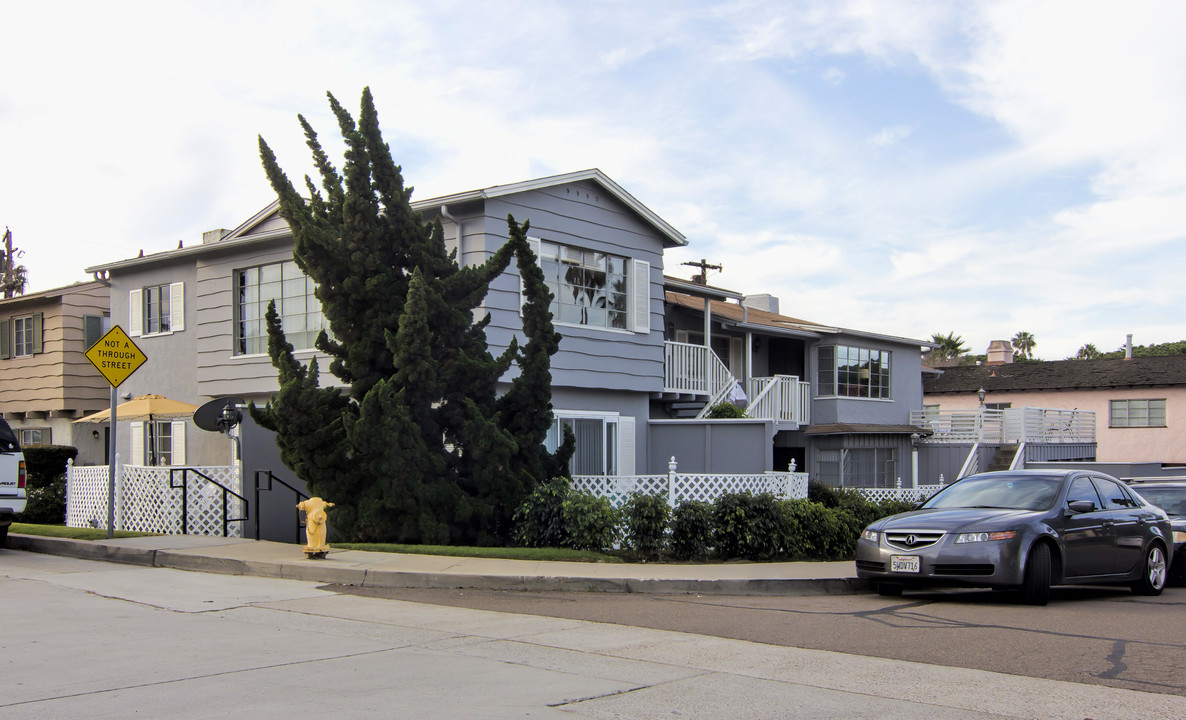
1012	492
1170	499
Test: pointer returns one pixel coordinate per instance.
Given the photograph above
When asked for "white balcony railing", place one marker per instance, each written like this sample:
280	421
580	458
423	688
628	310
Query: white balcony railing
1011	426
782	398
686	368
696	370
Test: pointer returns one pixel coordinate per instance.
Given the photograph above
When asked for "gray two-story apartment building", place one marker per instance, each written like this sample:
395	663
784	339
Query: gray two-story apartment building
642	359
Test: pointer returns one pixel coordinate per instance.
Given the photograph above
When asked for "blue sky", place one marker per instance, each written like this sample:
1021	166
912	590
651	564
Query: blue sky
898	167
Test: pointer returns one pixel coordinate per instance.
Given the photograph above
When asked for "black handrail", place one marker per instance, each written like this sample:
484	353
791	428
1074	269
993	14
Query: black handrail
300	496
226	491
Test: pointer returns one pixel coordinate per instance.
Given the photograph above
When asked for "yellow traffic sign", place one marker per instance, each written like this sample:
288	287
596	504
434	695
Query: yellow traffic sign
116	356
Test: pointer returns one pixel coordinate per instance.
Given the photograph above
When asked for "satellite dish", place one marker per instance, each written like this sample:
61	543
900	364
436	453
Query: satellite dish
209	417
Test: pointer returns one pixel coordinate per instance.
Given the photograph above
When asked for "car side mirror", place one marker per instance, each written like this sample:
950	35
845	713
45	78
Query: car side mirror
1082	506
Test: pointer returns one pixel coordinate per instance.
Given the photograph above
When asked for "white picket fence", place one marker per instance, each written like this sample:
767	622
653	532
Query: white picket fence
147	501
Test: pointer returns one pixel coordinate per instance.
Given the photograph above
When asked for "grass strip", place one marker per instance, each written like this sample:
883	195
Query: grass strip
506	553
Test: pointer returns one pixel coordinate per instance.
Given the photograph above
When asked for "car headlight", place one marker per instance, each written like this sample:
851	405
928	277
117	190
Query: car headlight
870	535
985	536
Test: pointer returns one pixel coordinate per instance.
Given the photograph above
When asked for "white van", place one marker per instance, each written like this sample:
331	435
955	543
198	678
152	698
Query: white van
12	479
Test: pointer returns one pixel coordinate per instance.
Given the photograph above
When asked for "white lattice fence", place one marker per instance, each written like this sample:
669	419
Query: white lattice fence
147	501
619	488
922	492
86	496
691	486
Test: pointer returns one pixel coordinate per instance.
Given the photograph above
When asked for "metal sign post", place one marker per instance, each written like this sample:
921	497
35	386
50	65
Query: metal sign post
116	357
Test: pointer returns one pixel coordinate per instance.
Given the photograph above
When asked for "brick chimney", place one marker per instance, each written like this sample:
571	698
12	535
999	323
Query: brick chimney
1000	352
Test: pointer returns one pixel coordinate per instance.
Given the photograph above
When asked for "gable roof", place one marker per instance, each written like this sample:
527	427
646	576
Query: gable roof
673	236
55	294
1061	375
246	232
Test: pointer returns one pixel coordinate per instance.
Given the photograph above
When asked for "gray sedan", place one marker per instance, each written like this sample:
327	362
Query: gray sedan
1024	530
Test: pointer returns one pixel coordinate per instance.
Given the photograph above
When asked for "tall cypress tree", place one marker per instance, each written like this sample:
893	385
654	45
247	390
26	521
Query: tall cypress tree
422	448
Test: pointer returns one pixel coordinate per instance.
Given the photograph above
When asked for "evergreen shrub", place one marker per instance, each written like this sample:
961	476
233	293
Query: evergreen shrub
45	487
539	520
590	522
646	519
724	411
691	530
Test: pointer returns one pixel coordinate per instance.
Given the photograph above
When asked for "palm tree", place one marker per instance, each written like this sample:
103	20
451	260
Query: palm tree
949	345
1023	344
1087	352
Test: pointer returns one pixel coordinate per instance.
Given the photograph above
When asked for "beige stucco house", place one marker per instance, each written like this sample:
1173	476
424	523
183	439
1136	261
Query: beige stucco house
46	382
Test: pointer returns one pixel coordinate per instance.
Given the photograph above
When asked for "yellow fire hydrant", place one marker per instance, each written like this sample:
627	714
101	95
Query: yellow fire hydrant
315	519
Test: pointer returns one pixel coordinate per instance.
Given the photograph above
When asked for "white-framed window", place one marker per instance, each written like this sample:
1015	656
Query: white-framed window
595	289
94	327
158	443
854	372
858	467
300	311
604	442
22	336
156	309
35	436
1136	413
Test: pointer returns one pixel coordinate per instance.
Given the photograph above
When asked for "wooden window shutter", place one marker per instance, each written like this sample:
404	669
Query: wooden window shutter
640	296
38	326
136	432
135	313
177	306
5	340
178	430
626	446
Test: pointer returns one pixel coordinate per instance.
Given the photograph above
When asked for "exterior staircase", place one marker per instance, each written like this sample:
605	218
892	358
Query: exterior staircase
1003	460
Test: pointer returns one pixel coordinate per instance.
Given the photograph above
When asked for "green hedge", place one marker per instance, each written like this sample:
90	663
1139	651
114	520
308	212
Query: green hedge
825	526
45	486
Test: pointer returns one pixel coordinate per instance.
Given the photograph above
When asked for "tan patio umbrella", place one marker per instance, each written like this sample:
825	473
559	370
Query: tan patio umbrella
144	407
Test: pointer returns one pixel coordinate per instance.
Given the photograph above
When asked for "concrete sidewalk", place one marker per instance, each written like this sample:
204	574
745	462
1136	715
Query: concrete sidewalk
235	556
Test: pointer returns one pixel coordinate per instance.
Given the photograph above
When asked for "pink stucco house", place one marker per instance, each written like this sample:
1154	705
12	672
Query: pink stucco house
1139	402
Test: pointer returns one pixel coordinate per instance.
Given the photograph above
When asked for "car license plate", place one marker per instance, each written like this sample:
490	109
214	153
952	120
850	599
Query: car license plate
904	563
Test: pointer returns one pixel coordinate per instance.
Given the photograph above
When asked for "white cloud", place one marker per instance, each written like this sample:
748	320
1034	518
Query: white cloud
1042	155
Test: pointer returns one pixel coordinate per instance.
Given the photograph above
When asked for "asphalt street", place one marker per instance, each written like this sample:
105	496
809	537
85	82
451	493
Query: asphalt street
1096	635
89	639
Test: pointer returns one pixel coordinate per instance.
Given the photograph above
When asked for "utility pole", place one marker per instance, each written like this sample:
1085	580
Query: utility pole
12	277
702	278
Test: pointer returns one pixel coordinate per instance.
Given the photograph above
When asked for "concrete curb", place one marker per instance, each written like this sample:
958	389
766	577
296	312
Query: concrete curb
196	561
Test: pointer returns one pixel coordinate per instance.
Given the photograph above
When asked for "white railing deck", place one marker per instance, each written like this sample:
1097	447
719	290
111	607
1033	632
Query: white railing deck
1010	426
696	370
782	398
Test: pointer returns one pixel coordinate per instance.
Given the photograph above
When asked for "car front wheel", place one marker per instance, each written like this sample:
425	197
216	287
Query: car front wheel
1035	587
1153	573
